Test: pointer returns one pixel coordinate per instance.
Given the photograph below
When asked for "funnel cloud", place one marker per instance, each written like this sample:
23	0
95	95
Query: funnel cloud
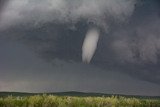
90	45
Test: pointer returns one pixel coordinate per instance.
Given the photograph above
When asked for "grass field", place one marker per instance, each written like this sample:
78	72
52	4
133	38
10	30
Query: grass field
72	101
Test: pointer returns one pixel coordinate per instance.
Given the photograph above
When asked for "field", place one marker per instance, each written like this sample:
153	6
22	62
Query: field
47	100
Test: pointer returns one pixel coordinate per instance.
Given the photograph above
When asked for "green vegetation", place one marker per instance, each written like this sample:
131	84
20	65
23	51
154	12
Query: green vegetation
71	101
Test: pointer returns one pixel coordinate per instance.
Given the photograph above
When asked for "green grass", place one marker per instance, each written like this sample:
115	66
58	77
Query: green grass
70	101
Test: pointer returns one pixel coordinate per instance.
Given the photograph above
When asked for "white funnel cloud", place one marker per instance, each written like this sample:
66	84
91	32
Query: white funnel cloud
90	45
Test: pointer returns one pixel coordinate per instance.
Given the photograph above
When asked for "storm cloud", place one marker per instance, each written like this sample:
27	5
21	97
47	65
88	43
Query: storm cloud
99	12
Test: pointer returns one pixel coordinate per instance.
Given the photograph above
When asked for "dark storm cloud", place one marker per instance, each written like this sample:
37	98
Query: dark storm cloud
140	38
55	29
137	44
2	5
70	21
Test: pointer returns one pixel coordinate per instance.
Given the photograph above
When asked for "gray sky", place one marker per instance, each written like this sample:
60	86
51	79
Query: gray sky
41	46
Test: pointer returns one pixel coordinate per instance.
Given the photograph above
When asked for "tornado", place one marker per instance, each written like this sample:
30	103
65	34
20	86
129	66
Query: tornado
90	45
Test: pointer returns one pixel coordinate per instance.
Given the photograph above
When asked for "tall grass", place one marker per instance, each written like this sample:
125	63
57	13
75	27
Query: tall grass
66	101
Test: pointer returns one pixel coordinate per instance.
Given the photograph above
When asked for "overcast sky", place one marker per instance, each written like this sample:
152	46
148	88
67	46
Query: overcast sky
41	46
